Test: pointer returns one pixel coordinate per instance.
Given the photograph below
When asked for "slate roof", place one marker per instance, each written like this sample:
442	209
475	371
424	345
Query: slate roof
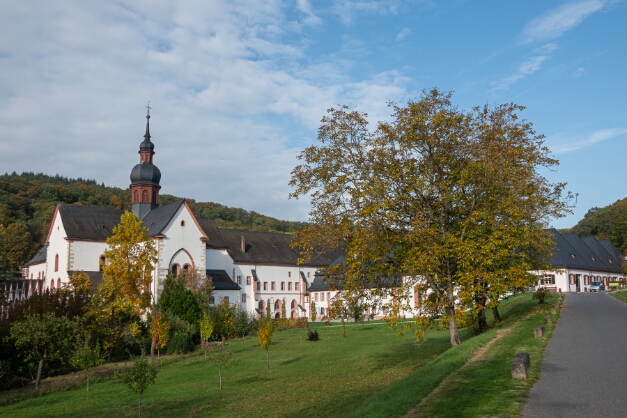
573	252
88	222
40	257
157	219
268	247
211	230
221	280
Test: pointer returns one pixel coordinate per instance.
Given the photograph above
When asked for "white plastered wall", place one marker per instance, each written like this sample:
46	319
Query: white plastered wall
57	245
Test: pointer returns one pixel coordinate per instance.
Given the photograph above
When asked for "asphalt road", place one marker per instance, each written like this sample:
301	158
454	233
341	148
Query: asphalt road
584	373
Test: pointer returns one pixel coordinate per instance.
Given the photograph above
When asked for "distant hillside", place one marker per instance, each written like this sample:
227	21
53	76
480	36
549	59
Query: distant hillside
609	222
27	202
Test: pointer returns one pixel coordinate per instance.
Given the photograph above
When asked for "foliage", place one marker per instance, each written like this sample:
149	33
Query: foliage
268	309
200	285
312	335
283	309
138	377
177	300
206	329
244	322
222	358
438	201
541	294
43	338
85	356
181	335
79	283
312	311
159	329
264	335
222	316
16	246
609	222
132	255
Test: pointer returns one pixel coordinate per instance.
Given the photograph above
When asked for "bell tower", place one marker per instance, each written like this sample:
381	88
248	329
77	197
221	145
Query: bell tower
145	176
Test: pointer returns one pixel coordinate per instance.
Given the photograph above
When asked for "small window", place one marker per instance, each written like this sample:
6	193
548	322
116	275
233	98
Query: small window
316	297
308	274
52	284
265	285
176	269
59	283
321	311
239	279
289	285
289	274
273	286
212	300
186	267
248	279
224	299
56	263
183	223
258	286
296	286
282	285
306	299
243	297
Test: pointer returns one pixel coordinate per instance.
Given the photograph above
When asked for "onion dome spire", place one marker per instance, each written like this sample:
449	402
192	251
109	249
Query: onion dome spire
147	145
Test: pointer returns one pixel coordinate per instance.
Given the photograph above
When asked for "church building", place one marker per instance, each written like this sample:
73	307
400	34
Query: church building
247	268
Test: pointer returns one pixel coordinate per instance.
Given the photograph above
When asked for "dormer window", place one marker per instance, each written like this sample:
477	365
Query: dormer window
182	223
594	259
573	256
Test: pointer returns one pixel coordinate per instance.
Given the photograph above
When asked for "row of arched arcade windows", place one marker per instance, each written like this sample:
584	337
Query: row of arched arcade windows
52	287
278	305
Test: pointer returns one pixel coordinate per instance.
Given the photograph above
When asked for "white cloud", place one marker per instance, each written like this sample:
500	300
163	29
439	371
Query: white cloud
305	7
233	98
529	66
403	34
554	23
589	140
578	72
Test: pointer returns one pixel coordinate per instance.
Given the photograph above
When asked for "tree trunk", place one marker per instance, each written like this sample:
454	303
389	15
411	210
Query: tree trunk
110	353
452	325
41	367
496	314
153	344
220	374
482	318
344	327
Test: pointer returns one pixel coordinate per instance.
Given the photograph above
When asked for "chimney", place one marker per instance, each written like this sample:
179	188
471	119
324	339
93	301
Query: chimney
243	244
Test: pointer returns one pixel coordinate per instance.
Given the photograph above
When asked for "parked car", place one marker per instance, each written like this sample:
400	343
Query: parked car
596	286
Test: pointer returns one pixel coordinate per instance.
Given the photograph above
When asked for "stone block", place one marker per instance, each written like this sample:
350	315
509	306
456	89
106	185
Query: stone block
520	365
538	332
548	320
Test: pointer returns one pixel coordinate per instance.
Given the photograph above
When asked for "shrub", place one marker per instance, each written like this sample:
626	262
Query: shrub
312	335
541	294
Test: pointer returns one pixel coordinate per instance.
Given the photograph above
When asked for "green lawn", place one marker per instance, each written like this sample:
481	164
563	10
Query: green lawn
366	373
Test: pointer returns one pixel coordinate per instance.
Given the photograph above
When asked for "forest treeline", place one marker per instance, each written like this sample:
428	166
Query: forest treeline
27	203
609	222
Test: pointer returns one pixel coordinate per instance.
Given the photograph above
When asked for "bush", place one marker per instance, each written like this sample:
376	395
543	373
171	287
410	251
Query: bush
312	335
180	343
541	294
290	323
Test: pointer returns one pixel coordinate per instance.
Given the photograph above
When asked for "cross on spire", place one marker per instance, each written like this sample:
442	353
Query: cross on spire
148	107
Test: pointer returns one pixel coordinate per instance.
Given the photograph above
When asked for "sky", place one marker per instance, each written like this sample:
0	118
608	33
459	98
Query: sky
238	88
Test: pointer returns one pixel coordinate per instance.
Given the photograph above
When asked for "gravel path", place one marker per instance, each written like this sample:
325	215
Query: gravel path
584	373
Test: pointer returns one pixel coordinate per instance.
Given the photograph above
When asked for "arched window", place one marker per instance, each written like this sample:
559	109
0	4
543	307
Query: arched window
145	196
136	198
294	304
58	283
277	306
56	262
52	284
186	267
176	269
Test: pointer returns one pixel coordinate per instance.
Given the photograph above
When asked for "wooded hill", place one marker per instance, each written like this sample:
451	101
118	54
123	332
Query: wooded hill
609	222
27	203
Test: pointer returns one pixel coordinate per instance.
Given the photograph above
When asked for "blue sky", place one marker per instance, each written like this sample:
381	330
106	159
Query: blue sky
238	87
